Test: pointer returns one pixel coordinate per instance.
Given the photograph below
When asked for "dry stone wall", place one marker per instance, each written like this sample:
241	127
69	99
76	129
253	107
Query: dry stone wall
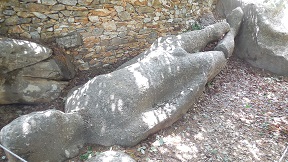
111	30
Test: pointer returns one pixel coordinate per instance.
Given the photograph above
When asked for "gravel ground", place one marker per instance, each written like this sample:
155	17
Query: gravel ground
241	116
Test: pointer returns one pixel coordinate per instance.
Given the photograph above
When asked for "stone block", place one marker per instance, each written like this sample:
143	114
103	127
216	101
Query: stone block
70	40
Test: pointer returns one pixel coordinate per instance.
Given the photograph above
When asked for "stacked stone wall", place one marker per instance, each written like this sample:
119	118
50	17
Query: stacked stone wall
111	30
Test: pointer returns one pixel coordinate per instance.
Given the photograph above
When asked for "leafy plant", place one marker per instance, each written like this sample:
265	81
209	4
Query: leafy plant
142	149
153	149
247	106
89	153
160	140
210	84
191	27
196	26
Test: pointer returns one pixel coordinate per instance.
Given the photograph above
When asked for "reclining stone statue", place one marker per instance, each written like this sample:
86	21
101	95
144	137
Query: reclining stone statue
147	94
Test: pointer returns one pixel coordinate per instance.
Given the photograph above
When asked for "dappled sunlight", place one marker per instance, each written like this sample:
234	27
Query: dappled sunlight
186	148
199	136
26	128
284	19
182	148
154	117
37	49
141	81
252	148
116	104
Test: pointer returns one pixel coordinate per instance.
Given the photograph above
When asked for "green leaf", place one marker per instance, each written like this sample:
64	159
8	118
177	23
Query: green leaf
161	141
142	151
153	149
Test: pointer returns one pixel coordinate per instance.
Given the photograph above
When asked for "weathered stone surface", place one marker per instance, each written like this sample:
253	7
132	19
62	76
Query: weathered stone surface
58	7
207	19
227	44
76	8
16	54
14	20
24	20
117	41
85	2
98	31
51	69
16	29
224	7
127	105
100	12
263	36
93	18
9	12
53	16
40	15
44	136
35	35
49	2
145	10
35	7
124	16
119	9
68	2
81	14
111	156
109	26
29	90
70	40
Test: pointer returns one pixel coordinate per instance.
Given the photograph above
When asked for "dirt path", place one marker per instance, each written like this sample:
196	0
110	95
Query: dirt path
242	116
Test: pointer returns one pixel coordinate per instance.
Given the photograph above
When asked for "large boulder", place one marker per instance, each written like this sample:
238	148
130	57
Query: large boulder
127	105
16	54
263	38
44	136
30	74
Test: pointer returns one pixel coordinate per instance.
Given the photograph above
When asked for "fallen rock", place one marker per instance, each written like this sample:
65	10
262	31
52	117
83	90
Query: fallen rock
111	156
31	75
127	105
263	36
30	90
44	136
51	69
16	54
